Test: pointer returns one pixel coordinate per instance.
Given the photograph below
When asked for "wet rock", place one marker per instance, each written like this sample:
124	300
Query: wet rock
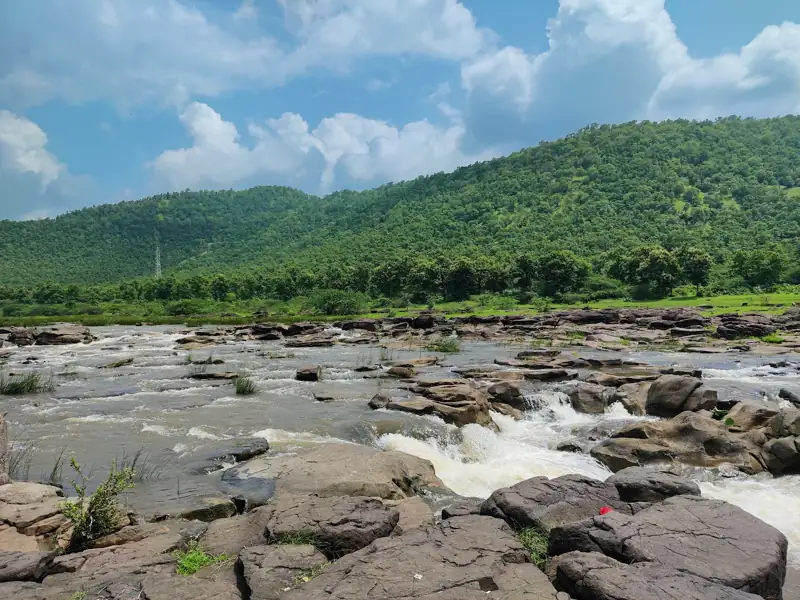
204	376
509	411
380	400
4	451
790	396
636	484
457	404
338	524
225	453
324	397
689	438
402	372
118	363
687	331
462	557
20	336
466	506
683	371
333	470
363	324
735	326
545	503
24	566
309	373
588	398
785	424
670	395
302	329
738	549
593	576
188	498
570	447
64	334
311	342
550	375
782	456
747	416
508	393
418	363
425	321
272	570
538	353
633	396
617	379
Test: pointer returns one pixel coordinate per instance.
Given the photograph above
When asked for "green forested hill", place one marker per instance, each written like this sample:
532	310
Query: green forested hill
725	185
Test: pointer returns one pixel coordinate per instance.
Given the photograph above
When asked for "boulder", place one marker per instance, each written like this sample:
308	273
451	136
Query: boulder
748	415
544	503
402	372
363	324
415	513
309	373
508	393
782	456
26	492
337	525
311	342
616	379
224	453
192	498
789	396
457	404
24	566
594	576
380	400
20	336
295	329
710	539
588	398
670	395
64	334
550	375
462	558
4	451
633	396
230	536
734	326
786	423
272	570
509	411
637	484
332	470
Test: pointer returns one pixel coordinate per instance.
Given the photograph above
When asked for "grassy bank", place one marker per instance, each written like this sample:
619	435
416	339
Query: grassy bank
226	314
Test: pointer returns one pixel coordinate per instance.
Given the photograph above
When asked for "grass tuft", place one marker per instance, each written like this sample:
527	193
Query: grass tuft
141	465
535	542
300	538
772	338
25	383
448	346
194	558
310	574
245	386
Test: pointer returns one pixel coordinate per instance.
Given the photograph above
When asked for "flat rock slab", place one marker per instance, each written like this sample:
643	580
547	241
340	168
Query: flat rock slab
592	576
332	470
337	525
23	492
637	484
271	570
463	558
195	498
711	539
24	566
208	460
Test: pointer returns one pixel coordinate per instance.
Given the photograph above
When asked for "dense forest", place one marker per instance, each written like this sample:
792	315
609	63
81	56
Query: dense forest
636	208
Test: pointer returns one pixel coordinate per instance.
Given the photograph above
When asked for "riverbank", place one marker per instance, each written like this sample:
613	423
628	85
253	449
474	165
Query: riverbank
241	313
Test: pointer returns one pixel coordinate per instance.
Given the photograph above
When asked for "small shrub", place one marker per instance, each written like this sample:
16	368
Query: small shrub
98	514
449	346
26	383
245	386
772	338
194	558
540	304
535	542
337	302
719	414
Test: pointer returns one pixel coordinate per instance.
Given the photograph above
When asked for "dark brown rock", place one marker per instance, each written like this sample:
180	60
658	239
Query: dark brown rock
636	484
309	373
670	395
508	393
272	570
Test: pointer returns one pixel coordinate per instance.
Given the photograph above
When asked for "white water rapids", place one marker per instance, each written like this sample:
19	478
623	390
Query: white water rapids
485	461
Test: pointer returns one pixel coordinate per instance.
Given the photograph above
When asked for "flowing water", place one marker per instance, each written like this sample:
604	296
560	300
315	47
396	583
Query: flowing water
100	414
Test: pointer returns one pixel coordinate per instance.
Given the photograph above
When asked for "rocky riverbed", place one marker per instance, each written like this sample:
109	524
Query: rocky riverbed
365	435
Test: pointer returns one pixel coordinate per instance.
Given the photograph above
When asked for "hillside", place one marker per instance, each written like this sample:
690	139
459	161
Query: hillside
724	185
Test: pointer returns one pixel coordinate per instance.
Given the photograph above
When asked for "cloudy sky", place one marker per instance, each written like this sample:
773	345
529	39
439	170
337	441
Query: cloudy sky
108	100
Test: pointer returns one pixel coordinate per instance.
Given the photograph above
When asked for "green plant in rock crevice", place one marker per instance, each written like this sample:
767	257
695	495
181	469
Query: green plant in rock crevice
194	558
535	542
245	386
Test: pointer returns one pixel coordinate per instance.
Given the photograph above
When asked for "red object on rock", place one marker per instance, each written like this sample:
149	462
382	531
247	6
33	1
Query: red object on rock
605	510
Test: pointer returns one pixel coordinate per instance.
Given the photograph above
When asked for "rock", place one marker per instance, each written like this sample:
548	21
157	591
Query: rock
748	415
402	372
633	396
230	536
414	513
195	498
539	353
4	451
301	329
311	342
462	558
786	423
467	506
225	453
424	321
338	525
64	334
689	438
457	404
380	400
309	373
363	324
550	375
509	411
593	576
509	394
332	470
738	549
24	566
21	337
26	492
617	380
782	456
736	326
203	376
545	503
570	447
416	363
670	395
687	331
636	484
790	396
124	362
588	398
271	570
24	515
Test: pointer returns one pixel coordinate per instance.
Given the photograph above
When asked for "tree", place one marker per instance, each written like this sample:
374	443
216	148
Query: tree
695	264
650	266
762	267
561	271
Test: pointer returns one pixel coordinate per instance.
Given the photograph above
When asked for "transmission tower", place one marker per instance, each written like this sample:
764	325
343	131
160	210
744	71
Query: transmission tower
158	262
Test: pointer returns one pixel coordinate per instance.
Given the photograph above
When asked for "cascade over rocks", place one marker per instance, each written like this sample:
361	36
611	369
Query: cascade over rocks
459	404
710	539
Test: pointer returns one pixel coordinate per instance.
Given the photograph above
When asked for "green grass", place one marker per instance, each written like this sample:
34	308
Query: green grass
245	386
535	542
448	346
194	558
772	338
25	383
310	574
79	595
300	538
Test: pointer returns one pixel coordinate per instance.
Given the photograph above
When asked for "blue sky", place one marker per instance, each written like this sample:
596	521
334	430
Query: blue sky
109	100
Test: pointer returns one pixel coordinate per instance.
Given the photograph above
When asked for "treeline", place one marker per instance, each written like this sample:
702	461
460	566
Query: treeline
639	272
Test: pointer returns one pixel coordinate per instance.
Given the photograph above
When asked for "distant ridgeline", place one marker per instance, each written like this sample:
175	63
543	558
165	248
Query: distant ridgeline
646	204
